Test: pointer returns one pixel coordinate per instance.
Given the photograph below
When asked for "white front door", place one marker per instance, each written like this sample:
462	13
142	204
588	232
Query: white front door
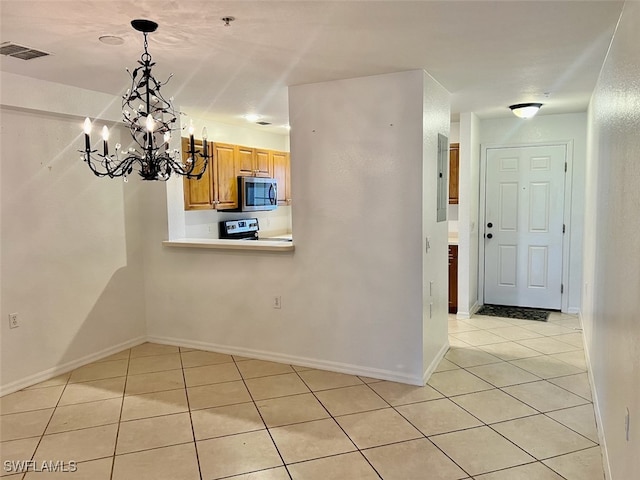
524	205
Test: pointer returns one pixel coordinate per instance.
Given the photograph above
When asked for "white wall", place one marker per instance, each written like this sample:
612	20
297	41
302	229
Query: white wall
548	128
611	299
454	132
435	262
352	290
468	236
71	243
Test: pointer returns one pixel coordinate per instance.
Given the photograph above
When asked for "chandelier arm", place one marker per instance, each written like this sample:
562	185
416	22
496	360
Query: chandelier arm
113	166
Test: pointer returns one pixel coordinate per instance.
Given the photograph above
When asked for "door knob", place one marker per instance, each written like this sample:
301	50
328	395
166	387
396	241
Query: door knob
489	235
489	224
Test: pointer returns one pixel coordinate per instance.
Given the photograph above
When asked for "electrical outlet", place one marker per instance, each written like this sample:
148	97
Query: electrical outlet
627	423
277	301
13	320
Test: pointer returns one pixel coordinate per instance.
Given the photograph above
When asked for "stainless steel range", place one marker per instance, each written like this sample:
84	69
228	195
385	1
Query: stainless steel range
245	229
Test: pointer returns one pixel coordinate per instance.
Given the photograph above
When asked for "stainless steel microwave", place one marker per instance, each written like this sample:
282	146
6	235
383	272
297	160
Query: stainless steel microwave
257	193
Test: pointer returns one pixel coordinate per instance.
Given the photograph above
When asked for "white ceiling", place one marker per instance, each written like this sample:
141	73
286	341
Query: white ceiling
488	54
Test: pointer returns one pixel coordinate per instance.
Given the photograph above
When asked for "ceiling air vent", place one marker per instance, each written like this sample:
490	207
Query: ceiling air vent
263	123
20	51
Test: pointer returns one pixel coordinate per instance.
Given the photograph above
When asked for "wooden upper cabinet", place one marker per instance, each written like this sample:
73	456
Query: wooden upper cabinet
263	163
454	172
225	184
253	162
282	173
198	194
245	160
218	187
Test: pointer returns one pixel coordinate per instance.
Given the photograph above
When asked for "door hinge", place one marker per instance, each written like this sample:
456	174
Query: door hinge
564	228
562	288
565	166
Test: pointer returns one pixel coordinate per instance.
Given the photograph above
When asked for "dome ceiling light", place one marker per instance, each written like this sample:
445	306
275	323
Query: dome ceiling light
525	110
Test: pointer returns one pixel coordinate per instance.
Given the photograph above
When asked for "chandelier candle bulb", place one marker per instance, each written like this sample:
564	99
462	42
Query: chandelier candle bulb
87	131
192	143
105	140
204	139
150	123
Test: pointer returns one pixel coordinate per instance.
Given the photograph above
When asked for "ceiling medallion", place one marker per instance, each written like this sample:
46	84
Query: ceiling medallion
151	119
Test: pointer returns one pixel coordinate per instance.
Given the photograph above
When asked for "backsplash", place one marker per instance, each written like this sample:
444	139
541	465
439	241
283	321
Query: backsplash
204	223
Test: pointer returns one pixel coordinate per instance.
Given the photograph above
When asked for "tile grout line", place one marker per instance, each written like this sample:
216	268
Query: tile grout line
48	422
420	431
115	444
539	413
500	389
193	432
590	400
595	444
338	423
255	405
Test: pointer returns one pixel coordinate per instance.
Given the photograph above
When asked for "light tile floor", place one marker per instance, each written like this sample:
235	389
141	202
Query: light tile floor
510	401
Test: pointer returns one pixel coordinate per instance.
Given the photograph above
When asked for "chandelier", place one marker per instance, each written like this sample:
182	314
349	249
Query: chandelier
151	119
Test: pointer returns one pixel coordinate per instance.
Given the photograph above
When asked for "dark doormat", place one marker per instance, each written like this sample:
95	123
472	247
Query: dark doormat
514	312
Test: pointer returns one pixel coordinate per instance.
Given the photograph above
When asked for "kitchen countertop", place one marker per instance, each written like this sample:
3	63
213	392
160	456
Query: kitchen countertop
284	236
453	238
264	245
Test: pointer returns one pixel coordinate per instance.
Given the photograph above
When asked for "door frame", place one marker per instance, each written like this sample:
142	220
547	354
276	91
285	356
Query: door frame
566	214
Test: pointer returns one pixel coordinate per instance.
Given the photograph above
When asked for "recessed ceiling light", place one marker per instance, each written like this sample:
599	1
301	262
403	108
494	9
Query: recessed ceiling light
111	40
252	117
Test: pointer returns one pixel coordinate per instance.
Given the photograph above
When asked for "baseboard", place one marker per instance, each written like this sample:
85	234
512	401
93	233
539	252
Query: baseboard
596	406
67	367
466	315
434	364
292	360
573	311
